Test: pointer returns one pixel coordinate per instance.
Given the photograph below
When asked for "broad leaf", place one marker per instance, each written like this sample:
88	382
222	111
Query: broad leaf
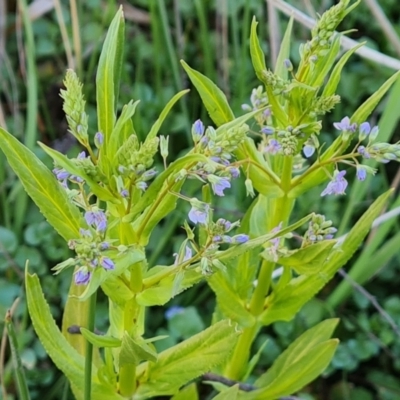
212	96
60	351
175	366
229	302
135	350
42	187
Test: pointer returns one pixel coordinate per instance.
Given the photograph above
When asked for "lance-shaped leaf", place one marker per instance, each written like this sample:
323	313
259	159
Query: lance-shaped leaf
117	135
228	394
307	261
229	302
284	304
42	187
60	351
116	290
298	349
175	367
133	351
63	161
212	96
284	52
298	374
334	78
164	113
100	340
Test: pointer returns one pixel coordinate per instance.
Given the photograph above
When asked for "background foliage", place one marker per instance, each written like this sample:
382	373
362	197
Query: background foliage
213	37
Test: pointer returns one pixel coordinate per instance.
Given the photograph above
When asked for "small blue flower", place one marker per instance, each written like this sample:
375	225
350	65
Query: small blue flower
241	238
82	276
308	150
61	174
268	130
337	185
85	232
107	263
141	185
81	155
273	147
363	151
104	246
174	310
149	174
97	219
361	173
345	125
365	129
217	239
199	211
234	171
218	184
124	193
197	130
98	139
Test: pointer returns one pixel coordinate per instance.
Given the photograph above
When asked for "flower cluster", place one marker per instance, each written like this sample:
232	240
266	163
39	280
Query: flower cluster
90	248
318	229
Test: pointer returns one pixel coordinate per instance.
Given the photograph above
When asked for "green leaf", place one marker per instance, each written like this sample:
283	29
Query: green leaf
116	290
133	351
309	260
298	374
228	394
108	76
298	349
100	340
42	187
284	304
188	392
164	113
256	53
284	52
63	161
363	112
60	351
334	78
212	96
175	366
229	302
117	135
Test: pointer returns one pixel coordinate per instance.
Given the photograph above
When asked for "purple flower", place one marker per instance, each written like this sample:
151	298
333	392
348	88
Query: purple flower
241	238
81	155
124	193
199	211
363	151
85	232
61	174
82	276
224	223
337	185
273	147
308	150
141	185
174	310
234	171
98	139
365	129
107	263
197	130
97	219
104	246
344	125
268	130
217	239
361	173
219	184
149	174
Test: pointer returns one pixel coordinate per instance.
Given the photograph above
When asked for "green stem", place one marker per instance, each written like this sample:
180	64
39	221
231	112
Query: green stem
89	347
22	386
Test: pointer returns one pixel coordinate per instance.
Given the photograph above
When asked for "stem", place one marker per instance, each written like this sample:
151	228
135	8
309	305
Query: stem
89	347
